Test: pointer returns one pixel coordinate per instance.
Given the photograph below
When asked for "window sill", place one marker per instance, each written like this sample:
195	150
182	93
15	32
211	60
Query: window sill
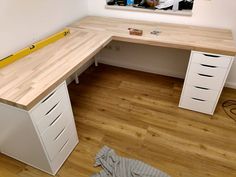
169	12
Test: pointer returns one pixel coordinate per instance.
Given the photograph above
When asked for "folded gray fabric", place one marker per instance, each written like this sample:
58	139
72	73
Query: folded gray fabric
116	166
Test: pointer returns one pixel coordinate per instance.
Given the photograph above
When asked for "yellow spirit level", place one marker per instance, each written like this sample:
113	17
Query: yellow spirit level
36	46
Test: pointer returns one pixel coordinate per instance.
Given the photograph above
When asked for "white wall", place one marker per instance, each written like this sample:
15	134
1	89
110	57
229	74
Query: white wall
213	13
165	61
25	21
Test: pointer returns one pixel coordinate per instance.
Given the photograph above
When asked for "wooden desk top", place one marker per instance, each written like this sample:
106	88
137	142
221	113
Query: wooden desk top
219	41
24	83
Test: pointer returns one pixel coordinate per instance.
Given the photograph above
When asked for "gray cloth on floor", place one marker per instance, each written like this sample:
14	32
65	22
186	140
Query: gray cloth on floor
116	166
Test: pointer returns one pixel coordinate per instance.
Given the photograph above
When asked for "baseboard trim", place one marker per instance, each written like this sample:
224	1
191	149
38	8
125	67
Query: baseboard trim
230	85
161	72
144	69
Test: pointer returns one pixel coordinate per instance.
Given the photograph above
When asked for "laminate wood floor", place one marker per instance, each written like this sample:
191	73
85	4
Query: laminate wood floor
137	114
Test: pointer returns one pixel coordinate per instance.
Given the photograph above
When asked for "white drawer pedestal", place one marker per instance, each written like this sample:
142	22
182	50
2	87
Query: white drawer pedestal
205	79
43	137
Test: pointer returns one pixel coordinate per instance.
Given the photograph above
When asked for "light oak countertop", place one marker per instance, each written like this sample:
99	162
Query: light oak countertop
24	83
204	39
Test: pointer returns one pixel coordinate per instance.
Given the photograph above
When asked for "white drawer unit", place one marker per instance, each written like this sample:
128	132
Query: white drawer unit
49	120
205	79
66	149
197	104
55	139
49	103
211	59
44	136
205	76
201	93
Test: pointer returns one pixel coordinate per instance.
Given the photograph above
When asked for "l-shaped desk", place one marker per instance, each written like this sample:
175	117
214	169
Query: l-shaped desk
36	119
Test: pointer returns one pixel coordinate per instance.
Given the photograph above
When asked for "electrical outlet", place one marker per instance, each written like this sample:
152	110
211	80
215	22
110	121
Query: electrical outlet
109	47
117	48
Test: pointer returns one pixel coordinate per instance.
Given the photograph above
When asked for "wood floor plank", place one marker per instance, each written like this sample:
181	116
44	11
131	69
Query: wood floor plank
137	114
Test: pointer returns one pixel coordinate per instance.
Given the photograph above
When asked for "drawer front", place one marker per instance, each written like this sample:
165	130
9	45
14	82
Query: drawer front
203	76
200	93
65	150
56	136
48	121
49	103
211	59
198	105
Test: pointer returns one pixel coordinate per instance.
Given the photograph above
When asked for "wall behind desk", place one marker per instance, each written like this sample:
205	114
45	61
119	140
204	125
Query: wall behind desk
23	22
212	13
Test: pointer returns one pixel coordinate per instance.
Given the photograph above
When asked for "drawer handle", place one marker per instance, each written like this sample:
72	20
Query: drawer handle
205	75
197	99
49	96
64	145
209	66
209	55
55	120
59	134
203	88
52	108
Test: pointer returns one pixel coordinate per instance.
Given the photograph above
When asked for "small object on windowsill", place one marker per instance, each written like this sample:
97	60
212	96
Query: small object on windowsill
136	32
143	7
121	2
111	2
146	10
